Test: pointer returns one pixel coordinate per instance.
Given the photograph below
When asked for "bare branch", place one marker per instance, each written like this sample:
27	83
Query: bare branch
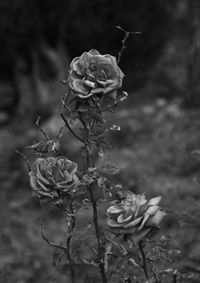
49	242
37	122
70	129
126	36
25	158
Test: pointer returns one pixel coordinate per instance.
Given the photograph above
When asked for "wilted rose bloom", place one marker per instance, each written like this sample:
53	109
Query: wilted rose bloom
134	216
53	177
93	73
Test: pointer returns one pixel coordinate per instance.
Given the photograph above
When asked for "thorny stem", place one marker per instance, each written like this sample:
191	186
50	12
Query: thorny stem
49	242
70	129
95	216
175	277
68	242
41	130
144	263
126	36
90	163
97	229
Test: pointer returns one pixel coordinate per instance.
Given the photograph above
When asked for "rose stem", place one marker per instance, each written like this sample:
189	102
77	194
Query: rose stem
174	278
93	201
97	228
70	129
144	265
126	36
69	238
95	213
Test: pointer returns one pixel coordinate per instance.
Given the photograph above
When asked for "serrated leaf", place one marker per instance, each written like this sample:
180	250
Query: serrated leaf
101	181
133	262
110	169
97	117
87	179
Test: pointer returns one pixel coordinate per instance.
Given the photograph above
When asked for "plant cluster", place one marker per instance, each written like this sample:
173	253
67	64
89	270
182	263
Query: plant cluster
123	249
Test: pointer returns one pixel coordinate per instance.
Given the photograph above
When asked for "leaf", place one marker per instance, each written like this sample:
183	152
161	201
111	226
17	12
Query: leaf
87	179
115	128
97	117
110	169
133	262
101	181
101	153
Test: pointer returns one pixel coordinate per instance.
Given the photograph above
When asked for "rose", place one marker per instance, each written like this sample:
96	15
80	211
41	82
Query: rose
53	177
93	73
134	216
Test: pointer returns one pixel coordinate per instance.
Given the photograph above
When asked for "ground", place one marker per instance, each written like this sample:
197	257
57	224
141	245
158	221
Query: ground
155	151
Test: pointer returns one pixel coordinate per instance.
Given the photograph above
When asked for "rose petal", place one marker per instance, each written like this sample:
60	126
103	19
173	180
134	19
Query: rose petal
98	90
41	185
130	230
154	201
133	223
114	209
121	219
145	218
78	87
112	85
89	84
85	96
112	224
75	66
156	219
33	181
94	52
151	210
113	94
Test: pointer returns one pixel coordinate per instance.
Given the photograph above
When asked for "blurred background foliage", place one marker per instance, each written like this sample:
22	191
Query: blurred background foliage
35	34
162	58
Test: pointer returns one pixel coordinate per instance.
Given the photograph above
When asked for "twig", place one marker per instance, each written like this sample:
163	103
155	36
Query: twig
97	228
144	263
96	221
70	129
26	160
120	247
37	122
175	276
97	231
68	242
49	242
91	248
64	102
126	36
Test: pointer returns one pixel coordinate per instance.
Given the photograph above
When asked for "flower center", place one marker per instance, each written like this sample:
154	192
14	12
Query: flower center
94	77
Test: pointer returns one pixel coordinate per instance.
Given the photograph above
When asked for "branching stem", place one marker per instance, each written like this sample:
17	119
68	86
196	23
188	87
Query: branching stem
70	129
96	224
98	235
126	36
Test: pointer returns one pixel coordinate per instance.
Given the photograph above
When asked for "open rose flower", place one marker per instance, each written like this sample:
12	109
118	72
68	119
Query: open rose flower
53	177
93	73
134	216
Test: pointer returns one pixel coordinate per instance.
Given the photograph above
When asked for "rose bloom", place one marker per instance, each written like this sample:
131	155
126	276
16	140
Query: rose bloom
93	73
134	216
53	177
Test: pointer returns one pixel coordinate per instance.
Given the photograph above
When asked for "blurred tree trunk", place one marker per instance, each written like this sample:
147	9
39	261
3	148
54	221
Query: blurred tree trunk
192	98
